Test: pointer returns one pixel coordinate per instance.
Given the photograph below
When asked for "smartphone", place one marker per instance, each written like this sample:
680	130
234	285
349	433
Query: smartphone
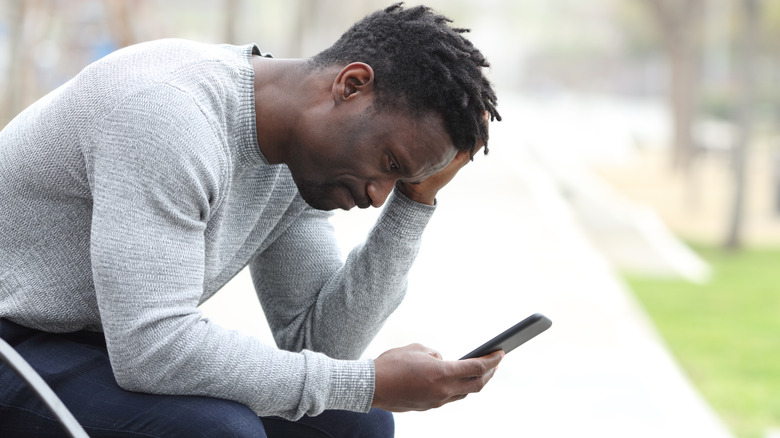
513	337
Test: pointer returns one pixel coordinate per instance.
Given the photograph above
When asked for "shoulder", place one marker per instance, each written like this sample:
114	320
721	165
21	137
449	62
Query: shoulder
178	62
171	51
161	132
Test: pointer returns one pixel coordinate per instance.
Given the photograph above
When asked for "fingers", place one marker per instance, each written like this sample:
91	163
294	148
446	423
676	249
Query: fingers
477	372
475	384
423	348
462	158
471	375
480	365
416	378
425	192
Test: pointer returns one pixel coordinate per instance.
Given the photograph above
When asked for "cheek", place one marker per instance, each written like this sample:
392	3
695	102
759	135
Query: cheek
347	163
308	163
328	158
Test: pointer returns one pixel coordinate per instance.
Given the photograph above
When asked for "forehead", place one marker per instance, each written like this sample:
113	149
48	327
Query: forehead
420	143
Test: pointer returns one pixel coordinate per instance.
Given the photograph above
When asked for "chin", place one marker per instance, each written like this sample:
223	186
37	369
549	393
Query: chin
322	204
324	196
318	199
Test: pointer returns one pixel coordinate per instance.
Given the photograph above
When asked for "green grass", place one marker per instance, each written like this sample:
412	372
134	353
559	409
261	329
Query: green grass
726	333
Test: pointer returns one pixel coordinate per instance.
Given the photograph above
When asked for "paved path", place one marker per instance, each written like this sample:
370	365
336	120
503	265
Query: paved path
502	246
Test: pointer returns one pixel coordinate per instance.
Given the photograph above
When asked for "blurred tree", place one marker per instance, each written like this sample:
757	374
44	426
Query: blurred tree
307	12
680	25
746	44
50	41
29	23
122	22
231	9
12	93
321	22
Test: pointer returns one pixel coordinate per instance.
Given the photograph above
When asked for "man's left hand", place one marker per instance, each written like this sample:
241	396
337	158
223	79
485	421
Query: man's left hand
425	192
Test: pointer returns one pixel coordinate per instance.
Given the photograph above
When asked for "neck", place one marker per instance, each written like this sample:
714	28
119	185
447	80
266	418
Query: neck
280	100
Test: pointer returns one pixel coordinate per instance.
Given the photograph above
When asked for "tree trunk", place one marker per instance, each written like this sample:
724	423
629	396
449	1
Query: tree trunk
744	82
231	21
680	25
683	97
120	15
13	91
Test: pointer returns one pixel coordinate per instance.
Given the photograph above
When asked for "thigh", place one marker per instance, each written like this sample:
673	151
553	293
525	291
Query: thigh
77	368
334	424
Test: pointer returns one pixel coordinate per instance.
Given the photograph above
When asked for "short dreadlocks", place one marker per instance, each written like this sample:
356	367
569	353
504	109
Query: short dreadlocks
421	64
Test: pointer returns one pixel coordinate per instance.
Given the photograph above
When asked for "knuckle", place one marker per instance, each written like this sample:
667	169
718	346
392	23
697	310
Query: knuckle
479	368
441	393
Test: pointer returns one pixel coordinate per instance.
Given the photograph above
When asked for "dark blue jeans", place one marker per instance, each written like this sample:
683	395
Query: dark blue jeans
76	367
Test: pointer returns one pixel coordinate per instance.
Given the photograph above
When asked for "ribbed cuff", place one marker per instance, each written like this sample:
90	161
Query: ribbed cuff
352	385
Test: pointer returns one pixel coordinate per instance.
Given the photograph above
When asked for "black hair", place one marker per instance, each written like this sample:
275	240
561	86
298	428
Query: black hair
421	64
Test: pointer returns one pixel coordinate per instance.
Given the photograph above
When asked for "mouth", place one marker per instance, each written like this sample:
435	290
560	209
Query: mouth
348	200
362	202
333	196
352	200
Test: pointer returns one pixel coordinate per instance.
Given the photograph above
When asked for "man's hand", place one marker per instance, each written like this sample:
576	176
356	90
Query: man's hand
425	192
415	378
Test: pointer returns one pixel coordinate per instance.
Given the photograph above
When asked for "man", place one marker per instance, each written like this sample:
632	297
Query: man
134	192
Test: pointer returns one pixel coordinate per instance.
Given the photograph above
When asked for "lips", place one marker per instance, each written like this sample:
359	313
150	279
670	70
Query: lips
344	198
359	201
348	204
362	202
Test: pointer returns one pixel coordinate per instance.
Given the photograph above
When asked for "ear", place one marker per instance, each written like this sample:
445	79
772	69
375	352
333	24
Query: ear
353	80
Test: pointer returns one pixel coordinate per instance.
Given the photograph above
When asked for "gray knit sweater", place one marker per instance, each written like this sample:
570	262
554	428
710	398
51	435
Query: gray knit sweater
134	192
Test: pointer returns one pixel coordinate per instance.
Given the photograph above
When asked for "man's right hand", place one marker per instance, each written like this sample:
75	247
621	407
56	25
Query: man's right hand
415	378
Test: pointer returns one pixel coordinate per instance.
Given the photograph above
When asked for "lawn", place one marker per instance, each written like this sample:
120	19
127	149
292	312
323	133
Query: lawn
726	333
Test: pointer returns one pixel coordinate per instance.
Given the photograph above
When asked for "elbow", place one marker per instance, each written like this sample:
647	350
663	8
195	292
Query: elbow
132	379
138	376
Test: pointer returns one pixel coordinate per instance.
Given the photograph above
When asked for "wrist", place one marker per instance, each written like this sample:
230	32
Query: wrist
376	401
410	192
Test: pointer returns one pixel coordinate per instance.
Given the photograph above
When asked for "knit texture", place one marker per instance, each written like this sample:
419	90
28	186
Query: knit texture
135	191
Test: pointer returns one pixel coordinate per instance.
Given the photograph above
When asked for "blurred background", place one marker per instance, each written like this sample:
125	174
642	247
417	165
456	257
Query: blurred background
652	124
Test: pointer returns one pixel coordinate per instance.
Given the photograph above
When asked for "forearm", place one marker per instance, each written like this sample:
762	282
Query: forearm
346	306
207	360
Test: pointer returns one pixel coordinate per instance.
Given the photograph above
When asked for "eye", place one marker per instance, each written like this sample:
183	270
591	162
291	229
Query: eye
392	164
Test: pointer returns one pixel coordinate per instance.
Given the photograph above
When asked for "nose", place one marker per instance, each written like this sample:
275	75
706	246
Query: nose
379	190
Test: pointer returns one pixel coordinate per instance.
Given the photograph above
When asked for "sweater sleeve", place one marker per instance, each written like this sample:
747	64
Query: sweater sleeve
314	301
157	169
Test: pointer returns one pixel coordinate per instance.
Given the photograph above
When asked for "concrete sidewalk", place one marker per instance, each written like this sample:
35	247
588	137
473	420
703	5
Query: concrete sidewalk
503	245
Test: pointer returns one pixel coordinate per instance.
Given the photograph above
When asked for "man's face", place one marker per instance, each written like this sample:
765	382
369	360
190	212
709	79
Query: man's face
356	160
